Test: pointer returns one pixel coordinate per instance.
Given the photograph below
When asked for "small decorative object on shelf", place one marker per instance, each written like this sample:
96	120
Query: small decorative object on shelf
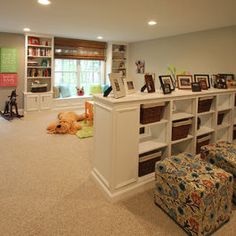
219	81
184	81
196	87
167	79
203	84
166	88
38	87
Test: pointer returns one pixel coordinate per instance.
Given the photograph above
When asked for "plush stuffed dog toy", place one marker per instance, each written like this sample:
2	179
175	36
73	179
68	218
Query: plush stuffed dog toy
67	123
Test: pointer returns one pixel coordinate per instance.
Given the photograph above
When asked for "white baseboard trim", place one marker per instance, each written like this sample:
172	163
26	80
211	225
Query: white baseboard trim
125	192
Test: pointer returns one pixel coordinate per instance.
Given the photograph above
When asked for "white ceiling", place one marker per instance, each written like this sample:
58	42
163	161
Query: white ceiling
116	20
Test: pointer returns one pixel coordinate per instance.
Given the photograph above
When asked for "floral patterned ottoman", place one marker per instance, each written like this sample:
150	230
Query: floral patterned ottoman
197	195
222	154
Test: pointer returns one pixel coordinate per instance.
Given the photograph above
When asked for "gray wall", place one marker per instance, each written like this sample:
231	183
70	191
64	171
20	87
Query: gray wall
16	41
212	51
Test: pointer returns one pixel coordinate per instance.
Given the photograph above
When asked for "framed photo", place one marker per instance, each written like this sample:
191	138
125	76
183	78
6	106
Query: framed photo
140	66
196	87
117	85
227	76
129	86
201	77
166	88
203	84
184	81
149	81
167	79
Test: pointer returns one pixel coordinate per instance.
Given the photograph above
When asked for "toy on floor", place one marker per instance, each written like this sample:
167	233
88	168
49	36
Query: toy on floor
11	104
67	123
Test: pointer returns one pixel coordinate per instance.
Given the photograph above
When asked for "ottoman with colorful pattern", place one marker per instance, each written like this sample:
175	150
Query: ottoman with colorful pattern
222	154
197	195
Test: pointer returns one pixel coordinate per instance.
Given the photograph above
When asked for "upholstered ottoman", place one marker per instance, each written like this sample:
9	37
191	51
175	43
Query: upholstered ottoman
197	195
222	154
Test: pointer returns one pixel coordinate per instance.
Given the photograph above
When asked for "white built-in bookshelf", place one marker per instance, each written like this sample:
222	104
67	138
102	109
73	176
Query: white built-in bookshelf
118	142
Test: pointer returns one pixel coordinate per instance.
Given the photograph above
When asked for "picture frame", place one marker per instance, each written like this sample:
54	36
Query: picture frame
203	84
129	86
117	85
196	87
184	81
140	66
149	82
166	88
167	79
200	77
227	76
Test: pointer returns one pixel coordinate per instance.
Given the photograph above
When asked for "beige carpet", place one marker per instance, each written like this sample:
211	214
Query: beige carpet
46	189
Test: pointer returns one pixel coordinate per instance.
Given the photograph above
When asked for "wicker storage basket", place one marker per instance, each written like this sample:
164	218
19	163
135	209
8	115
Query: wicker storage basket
202	141
204	104
180	129
151	112
220	118
147	161
234	132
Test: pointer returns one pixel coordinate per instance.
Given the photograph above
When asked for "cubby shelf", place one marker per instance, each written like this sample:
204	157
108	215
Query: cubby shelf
181	115
38	46
182	140
149	145
204	130
224	109
39	56
206	113
163	121
117	126
223	126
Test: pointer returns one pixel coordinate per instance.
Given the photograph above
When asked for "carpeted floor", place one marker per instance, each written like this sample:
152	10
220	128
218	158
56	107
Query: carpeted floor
46	189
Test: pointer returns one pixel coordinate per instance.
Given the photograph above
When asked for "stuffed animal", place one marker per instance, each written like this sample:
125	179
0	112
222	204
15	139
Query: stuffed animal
67	123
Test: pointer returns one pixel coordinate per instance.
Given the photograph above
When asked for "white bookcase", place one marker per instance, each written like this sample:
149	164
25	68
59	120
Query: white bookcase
118	142
39	54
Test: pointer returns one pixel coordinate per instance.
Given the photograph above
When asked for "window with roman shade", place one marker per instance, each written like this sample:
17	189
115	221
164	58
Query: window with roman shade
66	48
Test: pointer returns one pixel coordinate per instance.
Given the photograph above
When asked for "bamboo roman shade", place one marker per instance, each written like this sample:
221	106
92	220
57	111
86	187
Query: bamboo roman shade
66	48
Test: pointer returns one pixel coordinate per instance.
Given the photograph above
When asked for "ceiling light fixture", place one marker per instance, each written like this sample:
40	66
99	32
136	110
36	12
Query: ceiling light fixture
99	37
26	29
152	22
44	2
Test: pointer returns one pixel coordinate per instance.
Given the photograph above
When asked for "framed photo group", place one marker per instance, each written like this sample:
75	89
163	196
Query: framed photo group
197	82
120	86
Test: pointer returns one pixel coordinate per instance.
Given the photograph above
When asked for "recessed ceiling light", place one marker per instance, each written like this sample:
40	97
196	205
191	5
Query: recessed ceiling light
26	29
152	22
99	37
44	2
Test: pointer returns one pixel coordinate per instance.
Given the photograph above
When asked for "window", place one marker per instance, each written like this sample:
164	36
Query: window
72	73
